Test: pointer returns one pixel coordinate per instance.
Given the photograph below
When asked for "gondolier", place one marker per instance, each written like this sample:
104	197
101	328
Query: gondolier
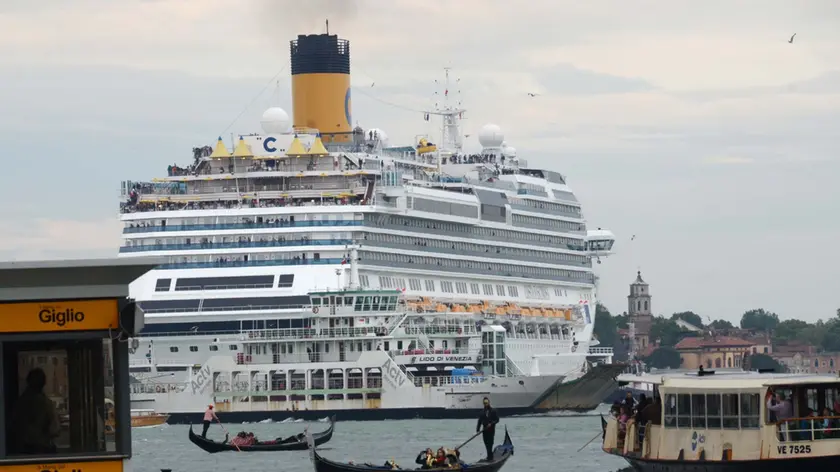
487	425
209	415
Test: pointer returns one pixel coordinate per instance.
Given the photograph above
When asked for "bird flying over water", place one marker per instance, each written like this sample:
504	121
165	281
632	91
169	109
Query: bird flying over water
791	38
531	94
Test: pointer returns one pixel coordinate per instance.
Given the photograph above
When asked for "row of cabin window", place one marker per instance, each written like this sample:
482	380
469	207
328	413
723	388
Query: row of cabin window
713	410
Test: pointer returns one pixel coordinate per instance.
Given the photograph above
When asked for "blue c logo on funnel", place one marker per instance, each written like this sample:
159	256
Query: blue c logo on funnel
347	107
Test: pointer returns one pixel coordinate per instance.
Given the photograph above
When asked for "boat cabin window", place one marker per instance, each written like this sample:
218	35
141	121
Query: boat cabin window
712	411
58	398
815	411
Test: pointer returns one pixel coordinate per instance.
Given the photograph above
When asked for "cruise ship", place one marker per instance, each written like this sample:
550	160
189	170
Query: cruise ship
315	269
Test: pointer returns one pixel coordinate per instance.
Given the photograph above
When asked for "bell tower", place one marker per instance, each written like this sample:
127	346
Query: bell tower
639	311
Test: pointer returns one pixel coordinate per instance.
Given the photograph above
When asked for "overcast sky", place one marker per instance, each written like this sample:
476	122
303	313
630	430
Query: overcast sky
695	126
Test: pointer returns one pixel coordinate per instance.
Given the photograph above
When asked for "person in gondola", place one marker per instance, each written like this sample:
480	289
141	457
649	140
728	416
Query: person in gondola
425	459
209	415
392	464
440	459
487	425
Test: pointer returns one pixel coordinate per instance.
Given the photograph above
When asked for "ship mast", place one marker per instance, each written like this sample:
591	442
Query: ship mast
451	139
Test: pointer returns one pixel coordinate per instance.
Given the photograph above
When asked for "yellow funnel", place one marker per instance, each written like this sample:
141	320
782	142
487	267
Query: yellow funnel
321	85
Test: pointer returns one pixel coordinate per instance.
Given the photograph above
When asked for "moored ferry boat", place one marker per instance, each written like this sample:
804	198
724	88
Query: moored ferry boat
744	421
314	269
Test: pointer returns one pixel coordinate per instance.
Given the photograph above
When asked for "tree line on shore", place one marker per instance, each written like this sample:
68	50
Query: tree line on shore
824	334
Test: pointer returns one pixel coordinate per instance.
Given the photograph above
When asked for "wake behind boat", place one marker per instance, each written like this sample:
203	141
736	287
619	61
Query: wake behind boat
292	443
501	454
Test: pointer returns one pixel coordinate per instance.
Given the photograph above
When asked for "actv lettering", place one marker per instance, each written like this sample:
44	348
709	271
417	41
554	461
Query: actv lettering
393	374
199	382
60	318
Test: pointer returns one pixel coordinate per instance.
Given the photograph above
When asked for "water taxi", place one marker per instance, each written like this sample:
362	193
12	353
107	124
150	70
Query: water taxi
140	418
708	421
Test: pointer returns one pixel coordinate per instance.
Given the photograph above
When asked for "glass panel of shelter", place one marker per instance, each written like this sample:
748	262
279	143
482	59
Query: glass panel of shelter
55	403
712	411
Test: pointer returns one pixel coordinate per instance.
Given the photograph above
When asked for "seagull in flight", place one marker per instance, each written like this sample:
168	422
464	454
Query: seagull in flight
531	94
791	38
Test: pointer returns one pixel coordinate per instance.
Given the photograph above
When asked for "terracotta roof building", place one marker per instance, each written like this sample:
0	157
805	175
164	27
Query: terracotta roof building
713	352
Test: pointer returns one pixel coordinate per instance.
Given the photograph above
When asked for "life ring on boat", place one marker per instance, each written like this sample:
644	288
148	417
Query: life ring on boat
315	310
158	389
574	348
135	343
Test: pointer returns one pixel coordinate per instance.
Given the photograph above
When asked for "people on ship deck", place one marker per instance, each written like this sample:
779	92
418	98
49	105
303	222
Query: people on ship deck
623	418
652	412
629	401
637	417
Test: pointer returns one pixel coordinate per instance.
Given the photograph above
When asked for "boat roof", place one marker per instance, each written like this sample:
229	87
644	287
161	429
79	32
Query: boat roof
723	380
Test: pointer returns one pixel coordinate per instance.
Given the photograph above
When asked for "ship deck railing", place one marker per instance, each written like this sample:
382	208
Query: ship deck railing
235	245
315	333
421	352
226	184
244	226
811	428
539	336
442	380
463	330
329	194
200	309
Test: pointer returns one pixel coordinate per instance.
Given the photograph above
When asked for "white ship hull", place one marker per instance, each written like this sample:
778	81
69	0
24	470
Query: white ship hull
400	394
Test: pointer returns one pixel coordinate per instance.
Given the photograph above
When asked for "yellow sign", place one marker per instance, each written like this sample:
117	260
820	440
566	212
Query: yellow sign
62	315
101	466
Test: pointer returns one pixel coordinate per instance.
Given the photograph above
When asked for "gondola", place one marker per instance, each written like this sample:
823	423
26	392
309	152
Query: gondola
292	443
501	454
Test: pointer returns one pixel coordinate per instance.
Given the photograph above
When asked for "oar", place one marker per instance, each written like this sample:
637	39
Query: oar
228	434
588	442
470	439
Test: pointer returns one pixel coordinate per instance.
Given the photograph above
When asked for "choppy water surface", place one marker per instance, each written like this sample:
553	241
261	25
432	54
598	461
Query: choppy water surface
543	443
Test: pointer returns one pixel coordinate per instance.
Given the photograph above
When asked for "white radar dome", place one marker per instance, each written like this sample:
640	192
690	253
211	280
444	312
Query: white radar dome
376	133
490	136
275	120
509	151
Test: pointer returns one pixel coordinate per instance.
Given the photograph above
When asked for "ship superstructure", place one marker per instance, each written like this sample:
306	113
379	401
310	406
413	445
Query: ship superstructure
311	261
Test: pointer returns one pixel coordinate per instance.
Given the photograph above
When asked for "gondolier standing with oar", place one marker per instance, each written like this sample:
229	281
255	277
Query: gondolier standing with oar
209	415
487	425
